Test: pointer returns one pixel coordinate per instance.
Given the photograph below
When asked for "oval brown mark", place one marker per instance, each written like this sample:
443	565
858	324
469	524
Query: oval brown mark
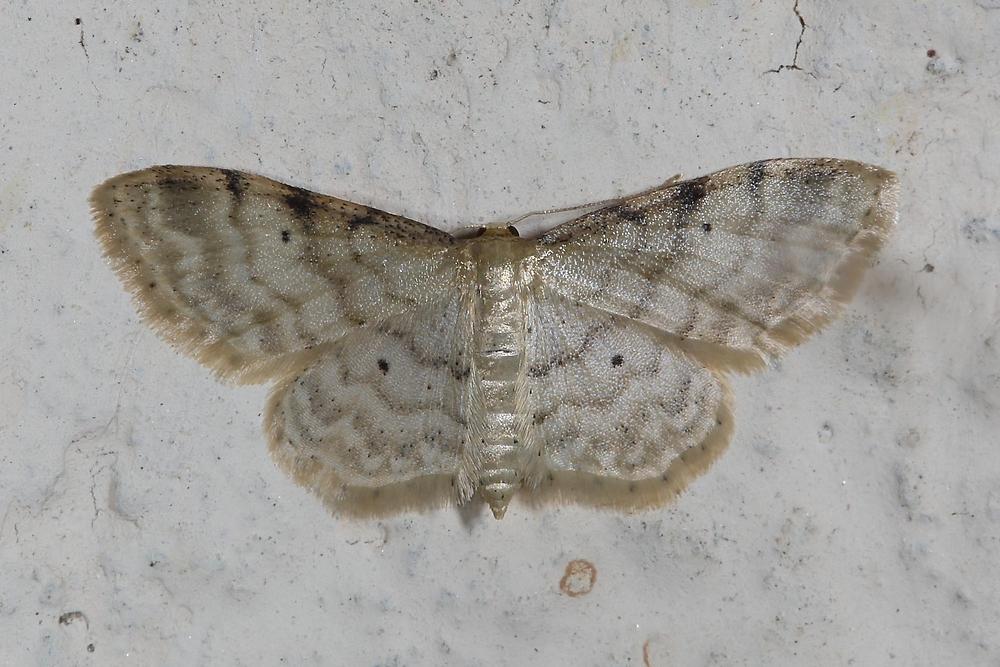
579	578
931	53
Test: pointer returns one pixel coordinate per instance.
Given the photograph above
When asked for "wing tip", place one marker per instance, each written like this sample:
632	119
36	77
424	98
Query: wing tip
846	277
156	311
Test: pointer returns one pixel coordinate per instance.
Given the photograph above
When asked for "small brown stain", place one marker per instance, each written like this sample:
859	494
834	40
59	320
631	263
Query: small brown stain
645	654
579	578
931	53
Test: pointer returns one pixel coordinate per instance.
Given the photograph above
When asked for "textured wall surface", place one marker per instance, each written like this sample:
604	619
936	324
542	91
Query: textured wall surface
855	518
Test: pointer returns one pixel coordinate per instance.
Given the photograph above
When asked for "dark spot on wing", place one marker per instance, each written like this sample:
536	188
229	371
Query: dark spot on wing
539	370
285	236
626	212
755	174
302	202
689	193
814	174
617	360
383	366
361	221
234	184
173	181
707	226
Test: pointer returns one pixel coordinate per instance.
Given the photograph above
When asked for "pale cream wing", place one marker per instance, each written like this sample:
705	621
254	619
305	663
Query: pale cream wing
248	274
619	416
375	422
735	266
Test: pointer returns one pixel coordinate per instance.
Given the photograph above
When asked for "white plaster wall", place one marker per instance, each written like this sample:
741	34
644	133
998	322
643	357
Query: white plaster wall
855	518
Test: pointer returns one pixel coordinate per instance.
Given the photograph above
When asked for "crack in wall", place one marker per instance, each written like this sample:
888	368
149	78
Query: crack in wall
798	43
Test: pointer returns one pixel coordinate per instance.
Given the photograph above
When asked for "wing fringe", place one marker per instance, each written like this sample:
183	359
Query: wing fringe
617	494
419	494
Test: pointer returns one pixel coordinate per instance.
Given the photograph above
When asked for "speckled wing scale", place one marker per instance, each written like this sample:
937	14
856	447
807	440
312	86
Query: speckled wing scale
416	368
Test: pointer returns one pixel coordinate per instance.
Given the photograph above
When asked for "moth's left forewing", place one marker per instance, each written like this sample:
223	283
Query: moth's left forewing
826	220
734	267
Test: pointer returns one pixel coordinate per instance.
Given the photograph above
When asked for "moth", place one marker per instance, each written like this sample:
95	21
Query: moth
415	368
